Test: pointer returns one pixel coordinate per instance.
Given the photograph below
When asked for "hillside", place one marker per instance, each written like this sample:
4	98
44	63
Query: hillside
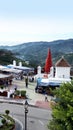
36	52
7	57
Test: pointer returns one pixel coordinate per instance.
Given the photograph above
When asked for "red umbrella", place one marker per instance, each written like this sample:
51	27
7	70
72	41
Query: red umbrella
48	62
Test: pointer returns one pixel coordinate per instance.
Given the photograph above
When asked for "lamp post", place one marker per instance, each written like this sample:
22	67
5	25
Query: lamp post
26	111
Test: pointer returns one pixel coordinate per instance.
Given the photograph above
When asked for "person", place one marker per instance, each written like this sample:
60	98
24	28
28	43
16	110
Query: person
32	79
10	81
15	87
26	81
46	97
6	83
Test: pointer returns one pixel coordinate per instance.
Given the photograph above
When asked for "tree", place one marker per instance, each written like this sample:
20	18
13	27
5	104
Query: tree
7	112
62	112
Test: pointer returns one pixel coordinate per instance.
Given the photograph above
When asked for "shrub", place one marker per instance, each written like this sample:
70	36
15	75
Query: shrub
1	86
8	123
23	93
17	92
3	121
7	112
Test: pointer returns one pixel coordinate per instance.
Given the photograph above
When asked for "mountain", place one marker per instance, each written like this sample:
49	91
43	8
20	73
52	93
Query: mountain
36	52
7	57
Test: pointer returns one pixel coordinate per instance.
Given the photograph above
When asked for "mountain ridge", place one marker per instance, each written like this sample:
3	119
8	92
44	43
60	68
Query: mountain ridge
36	52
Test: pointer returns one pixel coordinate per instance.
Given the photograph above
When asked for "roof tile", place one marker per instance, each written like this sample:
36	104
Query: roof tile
62	63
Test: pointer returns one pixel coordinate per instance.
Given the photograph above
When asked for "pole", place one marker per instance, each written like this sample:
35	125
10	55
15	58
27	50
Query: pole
26	111
25	119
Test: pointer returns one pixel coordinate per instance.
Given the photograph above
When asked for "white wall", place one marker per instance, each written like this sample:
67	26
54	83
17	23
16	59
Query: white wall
39	70
62	72
51	72
14	62
20	64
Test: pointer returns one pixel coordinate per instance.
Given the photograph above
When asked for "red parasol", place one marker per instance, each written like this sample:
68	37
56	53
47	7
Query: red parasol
48	62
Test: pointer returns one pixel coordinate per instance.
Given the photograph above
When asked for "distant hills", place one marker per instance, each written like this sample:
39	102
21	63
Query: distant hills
6	57
36	52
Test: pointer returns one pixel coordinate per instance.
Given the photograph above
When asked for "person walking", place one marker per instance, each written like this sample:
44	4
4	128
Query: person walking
26	81
46	98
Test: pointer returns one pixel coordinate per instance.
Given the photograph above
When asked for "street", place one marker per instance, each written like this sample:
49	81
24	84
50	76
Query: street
37	118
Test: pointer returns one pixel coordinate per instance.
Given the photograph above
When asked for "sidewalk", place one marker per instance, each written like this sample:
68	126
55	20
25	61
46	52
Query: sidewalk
34	99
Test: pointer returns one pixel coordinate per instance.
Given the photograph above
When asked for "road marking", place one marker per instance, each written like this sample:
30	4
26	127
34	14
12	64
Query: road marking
41	122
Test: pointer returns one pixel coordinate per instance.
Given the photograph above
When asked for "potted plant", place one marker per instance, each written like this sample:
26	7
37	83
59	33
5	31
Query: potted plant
23	93
17	94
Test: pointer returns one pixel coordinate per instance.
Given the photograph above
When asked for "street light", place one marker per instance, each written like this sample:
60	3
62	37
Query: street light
26	111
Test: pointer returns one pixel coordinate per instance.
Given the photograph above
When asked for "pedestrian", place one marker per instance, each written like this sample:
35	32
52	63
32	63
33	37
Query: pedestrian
15	87
26	81
10	81
46	98
6	83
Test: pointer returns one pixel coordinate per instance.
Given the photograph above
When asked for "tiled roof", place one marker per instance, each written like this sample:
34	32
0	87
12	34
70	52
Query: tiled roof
62	63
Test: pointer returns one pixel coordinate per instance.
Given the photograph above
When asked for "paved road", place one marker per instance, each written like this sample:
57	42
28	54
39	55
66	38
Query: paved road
18	125
37	118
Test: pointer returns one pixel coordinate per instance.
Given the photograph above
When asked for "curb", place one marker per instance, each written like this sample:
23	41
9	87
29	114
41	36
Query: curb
21	103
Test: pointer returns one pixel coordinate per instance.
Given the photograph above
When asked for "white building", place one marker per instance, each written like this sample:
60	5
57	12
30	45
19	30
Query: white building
58	74
62	69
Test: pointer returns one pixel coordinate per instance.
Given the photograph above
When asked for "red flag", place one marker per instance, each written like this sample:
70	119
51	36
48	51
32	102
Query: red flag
48	62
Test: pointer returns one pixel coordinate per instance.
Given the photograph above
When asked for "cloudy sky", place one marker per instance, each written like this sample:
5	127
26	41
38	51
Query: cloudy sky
35	20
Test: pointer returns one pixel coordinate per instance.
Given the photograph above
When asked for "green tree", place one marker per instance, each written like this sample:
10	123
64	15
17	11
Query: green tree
62	112
7	112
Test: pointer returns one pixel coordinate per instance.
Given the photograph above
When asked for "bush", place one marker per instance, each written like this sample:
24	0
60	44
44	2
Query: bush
7	112
23	93
3	121
7	121
17	92
1	86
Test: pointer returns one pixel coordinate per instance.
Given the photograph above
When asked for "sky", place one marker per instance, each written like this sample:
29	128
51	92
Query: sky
23	21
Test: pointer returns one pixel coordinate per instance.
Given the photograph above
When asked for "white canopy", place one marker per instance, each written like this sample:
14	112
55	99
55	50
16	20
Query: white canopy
11	70
2	76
